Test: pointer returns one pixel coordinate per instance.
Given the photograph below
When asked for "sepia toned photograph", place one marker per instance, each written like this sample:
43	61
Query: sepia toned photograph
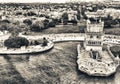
59	41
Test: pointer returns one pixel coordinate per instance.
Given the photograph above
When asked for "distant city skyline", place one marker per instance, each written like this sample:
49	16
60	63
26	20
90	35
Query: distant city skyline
45	1
33	1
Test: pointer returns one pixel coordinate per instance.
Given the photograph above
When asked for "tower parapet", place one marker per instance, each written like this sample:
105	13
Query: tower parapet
94	35
93	58
95	26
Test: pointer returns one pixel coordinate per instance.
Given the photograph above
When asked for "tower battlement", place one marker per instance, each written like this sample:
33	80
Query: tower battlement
94	35
96	26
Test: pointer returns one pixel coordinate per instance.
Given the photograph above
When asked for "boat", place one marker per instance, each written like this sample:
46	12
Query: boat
94	58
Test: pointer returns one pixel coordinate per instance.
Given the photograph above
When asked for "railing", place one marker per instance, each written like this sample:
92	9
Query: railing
29	49
59	37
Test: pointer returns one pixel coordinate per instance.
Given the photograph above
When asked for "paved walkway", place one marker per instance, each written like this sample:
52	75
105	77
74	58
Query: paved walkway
113	39
58	37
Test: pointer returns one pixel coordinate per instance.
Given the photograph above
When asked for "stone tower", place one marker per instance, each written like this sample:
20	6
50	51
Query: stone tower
94	35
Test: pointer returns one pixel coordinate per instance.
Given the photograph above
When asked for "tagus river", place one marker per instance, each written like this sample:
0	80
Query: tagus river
56	66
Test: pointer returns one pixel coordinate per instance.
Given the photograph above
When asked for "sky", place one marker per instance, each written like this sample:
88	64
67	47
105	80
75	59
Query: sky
31	1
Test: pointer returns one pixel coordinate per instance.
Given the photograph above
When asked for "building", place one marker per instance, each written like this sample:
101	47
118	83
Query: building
94	35
93	58
99	13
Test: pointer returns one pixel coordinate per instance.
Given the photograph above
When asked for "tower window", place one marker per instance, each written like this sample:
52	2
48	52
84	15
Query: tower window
91	36
98	36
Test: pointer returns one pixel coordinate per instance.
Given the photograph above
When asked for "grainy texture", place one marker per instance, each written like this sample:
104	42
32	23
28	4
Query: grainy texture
57	66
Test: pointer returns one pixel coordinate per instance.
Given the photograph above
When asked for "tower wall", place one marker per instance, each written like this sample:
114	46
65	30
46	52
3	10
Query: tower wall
95	27
94	36
95	48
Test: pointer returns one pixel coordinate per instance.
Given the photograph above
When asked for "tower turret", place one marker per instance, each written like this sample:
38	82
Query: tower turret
94	35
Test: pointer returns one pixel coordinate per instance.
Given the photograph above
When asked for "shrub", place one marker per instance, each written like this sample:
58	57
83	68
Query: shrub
74	22
46	23
16	42
5	21
78	14
56	21
3	27
27	21
115	50
45	42
31	13
65	21
65	18
19	13
37	26
52	24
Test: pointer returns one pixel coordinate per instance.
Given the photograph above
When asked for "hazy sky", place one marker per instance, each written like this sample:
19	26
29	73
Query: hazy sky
52	1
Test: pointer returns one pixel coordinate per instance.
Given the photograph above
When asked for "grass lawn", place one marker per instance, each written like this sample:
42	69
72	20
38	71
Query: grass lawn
114	31
60	29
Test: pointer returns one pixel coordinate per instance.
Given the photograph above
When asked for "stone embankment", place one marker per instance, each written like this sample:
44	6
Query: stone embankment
94	67
108	39
27	50
59	37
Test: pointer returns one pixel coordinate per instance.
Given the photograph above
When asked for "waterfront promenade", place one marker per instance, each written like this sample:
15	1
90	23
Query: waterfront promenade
108	39
112	39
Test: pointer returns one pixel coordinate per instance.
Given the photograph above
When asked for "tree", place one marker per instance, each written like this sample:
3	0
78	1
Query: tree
18	13
3	27
37	26
14	30
78	14
108	21
26	8
45	42
74	21
36	42
65	18
56	21
31	13
5	21
52	23
16	42
27	21
46	23
107	24
24	27
83	13
115	50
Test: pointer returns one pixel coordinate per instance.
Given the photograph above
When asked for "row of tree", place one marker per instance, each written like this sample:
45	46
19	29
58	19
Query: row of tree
109	22
18	42
65	19
27	25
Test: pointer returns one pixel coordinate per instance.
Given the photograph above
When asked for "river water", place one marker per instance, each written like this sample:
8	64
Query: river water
56	66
